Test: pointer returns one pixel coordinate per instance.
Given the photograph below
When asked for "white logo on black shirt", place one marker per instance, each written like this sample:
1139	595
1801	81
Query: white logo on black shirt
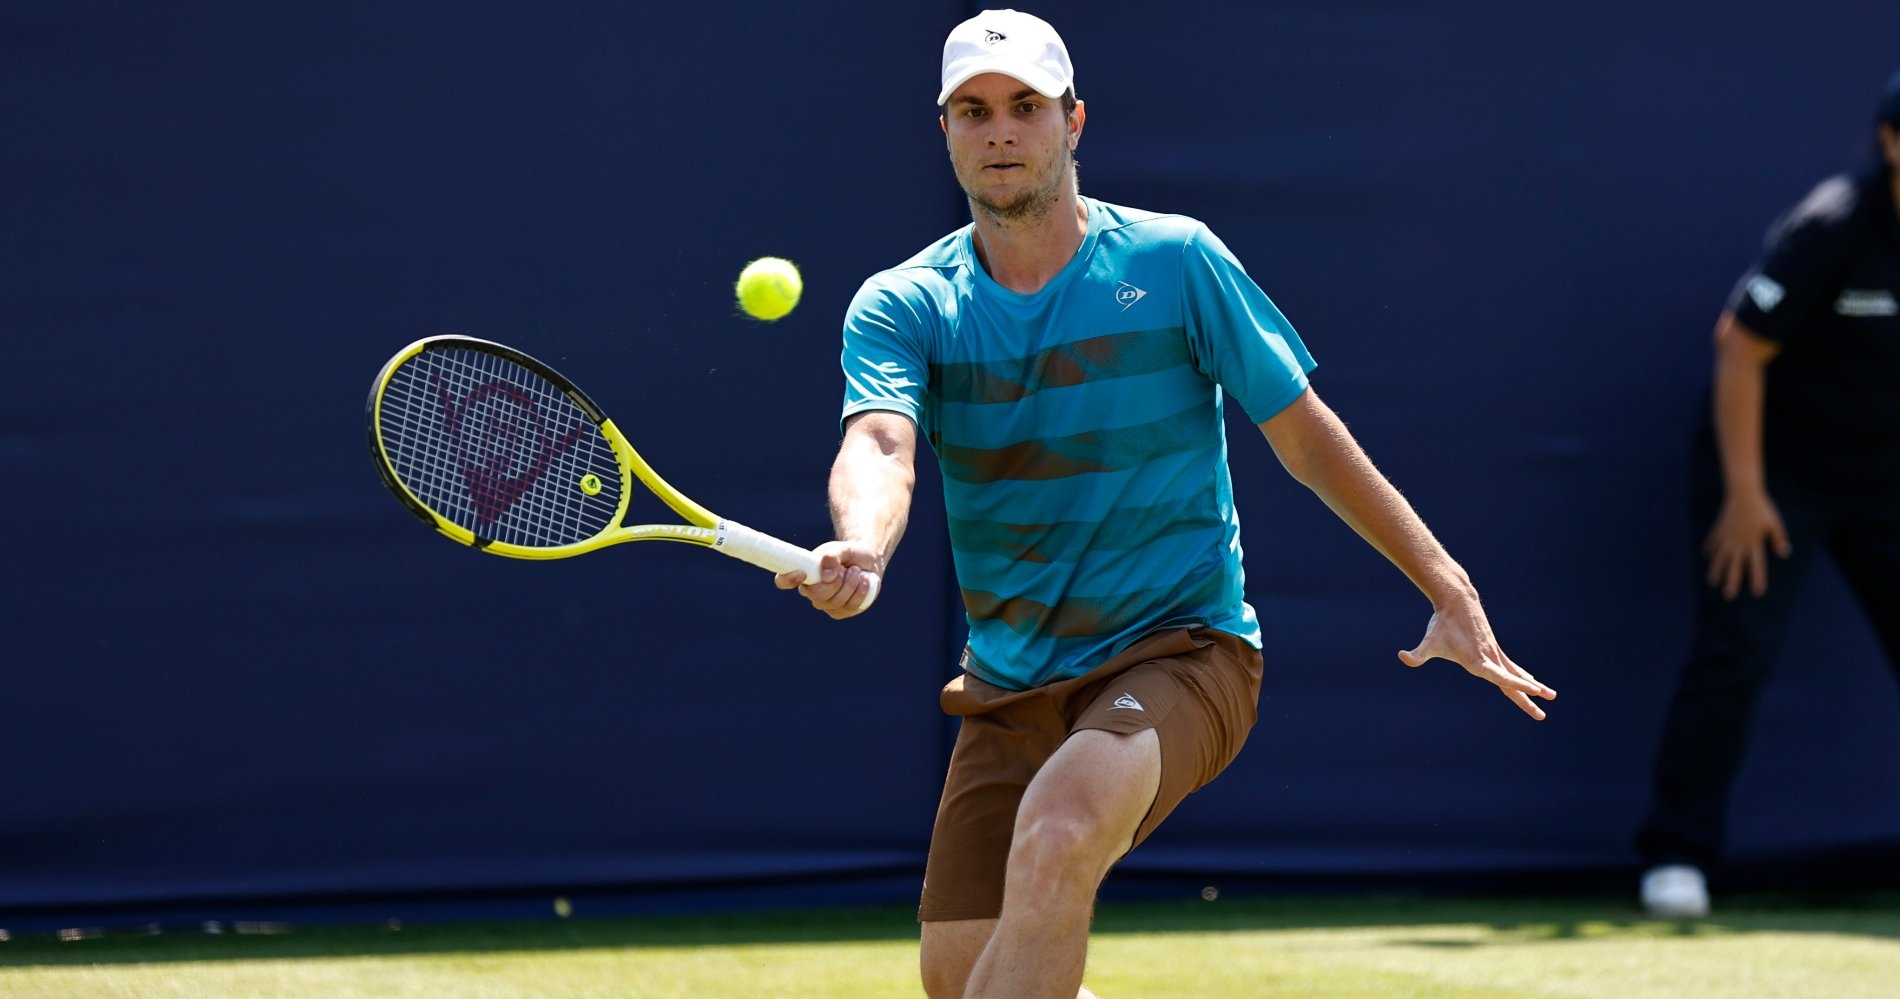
1766	292
1859	302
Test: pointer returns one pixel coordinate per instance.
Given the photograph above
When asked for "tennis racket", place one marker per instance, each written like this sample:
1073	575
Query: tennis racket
501	453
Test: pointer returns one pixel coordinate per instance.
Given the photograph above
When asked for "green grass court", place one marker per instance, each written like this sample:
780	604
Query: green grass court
1329	948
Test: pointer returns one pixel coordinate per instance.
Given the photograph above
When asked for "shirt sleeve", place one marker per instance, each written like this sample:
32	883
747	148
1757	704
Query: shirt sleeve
1801	271
884	361
1238	336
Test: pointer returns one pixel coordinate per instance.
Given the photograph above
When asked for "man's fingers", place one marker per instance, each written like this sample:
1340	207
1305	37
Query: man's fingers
1513	681
1731	574
1731	567
838	582
1517	678
1525	704
1757	569
822	594
851	592
1722	562
855	598
1535	686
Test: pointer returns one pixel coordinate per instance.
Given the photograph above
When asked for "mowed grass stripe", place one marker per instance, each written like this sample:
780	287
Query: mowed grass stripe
1331	948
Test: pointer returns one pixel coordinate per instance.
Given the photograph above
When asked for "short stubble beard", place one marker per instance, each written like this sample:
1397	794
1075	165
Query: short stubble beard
1029	207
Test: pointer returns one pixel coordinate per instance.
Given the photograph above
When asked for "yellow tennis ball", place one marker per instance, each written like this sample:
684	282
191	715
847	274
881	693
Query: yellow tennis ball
769	287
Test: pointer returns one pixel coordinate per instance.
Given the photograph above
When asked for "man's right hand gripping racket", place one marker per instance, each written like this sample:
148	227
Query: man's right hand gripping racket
500	452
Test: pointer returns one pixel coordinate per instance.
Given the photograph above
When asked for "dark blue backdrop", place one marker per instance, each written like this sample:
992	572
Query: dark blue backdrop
240	673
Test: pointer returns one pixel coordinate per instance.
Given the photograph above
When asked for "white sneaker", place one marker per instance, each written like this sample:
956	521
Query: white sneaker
1675	891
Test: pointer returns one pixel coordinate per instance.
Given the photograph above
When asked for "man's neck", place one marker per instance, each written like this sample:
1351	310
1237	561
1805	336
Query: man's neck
1025	256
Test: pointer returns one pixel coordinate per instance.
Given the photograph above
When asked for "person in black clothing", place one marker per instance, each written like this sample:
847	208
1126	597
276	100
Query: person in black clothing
1803	456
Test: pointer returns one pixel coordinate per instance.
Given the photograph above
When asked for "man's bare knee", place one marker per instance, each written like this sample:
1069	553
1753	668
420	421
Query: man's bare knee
1082	812
1063	850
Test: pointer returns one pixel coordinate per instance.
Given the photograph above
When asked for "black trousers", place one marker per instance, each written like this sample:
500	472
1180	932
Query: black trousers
1737	642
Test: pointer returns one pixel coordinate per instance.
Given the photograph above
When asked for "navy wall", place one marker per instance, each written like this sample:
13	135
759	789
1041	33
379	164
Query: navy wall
238	671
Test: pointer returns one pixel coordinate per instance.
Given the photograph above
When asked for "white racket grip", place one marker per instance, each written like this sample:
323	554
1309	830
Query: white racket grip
767	552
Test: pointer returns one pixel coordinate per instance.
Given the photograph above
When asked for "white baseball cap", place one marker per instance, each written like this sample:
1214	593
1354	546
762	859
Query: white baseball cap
1009	42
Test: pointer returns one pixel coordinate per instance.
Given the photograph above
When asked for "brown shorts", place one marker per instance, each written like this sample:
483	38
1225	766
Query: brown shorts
1199	689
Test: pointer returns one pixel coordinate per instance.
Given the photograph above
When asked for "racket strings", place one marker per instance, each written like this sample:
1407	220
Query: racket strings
497	449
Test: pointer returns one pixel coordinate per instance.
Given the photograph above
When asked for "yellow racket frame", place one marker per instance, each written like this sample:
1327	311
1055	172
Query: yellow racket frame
703	527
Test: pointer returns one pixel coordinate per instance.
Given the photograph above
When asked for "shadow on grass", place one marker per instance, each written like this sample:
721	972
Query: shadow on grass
1508	922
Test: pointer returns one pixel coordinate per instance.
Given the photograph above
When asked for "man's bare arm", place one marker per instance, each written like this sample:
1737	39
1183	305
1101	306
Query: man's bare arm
1317	450
872	480
1749	524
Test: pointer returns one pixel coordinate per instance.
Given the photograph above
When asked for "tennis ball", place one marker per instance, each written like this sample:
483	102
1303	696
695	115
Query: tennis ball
769	287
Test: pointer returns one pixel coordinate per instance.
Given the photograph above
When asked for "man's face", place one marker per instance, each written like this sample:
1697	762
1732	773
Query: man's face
1010	146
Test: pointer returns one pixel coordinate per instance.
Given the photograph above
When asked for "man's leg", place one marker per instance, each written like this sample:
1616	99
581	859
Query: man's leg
1867	549
1705	732
1736	642
950	949
1078	817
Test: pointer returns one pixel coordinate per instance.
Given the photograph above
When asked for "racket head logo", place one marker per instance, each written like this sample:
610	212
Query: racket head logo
488	446
502	442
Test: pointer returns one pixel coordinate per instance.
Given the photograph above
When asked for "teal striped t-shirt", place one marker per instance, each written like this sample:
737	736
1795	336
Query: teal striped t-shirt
1079	431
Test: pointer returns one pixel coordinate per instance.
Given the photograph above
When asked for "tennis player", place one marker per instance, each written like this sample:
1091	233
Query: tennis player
1066	359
